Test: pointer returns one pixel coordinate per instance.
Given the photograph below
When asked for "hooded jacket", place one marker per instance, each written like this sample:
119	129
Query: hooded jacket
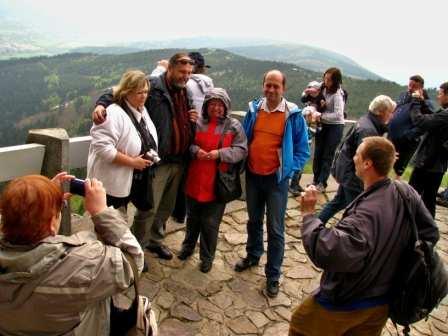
200	184
295	150
63	284
199	85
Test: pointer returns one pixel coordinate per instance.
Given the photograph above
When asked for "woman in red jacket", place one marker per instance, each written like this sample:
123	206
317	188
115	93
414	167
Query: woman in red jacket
204	212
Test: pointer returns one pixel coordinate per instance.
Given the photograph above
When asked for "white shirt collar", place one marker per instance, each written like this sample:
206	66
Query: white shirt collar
281	107
138	115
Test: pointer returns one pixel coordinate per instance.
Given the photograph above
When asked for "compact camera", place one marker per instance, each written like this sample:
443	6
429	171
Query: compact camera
77	187
153	156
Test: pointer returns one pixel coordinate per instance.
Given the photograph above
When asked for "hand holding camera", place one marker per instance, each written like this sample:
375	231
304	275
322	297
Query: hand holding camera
95	196
93	191
153	156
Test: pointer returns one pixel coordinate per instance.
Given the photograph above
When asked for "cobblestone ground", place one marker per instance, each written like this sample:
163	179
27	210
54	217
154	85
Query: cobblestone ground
223	302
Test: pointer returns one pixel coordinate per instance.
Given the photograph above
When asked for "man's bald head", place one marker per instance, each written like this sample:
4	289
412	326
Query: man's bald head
274	87
276	74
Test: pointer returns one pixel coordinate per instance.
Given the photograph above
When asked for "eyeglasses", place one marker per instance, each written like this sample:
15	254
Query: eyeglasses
185	61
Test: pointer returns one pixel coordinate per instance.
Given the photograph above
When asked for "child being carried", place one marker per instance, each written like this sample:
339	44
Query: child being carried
314	102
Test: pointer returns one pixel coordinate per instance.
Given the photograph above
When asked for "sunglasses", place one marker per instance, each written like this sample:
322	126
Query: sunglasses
184	61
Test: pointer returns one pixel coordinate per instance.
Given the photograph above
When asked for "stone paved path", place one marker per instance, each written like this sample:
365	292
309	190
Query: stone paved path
223	302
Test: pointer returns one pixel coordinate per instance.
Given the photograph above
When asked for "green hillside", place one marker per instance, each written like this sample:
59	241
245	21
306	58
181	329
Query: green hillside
307	57
61	90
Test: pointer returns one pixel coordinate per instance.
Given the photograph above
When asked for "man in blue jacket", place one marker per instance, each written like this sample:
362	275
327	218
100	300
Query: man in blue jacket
278	146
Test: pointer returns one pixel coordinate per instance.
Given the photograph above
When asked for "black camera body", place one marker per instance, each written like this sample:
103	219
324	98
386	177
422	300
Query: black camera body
77	187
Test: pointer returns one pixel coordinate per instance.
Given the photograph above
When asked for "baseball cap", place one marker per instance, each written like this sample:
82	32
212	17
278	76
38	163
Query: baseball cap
314	85
198	59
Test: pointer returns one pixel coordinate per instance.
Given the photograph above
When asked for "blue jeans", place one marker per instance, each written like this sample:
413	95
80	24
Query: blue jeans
340	201
263	192
327	141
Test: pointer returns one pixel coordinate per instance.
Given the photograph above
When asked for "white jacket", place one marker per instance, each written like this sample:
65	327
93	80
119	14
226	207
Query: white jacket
199	84
116	133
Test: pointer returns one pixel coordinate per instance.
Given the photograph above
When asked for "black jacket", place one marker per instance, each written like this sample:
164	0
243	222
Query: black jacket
432	154
161	110
368	125
360	254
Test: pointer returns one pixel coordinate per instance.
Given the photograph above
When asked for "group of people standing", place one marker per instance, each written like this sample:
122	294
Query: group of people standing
153	135
193	145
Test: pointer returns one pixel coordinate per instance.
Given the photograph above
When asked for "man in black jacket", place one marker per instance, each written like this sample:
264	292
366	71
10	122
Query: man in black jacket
432	155
402	132
170	107
360	255
374	123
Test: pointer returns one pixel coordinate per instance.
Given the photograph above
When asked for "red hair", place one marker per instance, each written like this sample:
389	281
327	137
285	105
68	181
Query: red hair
28	205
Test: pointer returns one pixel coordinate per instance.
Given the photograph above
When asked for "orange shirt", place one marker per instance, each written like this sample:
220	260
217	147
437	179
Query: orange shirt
264	150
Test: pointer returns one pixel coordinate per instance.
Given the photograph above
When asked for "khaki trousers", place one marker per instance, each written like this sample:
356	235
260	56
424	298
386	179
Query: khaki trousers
149	226
311	319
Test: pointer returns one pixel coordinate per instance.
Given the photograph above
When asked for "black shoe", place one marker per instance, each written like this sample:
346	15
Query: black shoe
205	266
245	263
162	251
184	254
272	288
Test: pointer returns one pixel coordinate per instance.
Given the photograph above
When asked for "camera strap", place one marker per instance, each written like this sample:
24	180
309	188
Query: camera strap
146	137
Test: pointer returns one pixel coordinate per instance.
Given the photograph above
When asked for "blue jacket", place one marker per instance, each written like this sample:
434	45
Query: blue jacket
295	149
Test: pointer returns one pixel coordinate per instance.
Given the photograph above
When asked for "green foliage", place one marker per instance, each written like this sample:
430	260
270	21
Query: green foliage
77	204
32	88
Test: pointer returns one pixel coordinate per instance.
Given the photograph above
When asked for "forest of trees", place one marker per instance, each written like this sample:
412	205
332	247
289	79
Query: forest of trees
61	90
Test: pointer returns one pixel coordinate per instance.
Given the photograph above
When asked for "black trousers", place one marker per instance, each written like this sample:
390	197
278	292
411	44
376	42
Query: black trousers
327	141
427	184
406	150
203	219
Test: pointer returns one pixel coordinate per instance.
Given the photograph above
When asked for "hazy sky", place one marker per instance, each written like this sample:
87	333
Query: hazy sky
393	38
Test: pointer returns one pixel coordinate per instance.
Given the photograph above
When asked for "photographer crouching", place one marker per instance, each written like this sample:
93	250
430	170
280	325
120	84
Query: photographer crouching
54	284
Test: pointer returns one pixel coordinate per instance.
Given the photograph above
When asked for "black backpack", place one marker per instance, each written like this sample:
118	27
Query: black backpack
421	280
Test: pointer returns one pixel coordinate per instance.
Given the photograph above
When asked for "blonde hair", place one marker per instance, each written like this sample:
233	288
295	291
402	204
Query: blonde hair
132	80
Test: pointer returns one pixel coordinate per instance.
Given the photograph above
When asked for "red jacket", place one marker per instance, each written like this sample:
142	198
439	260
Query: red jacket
200	184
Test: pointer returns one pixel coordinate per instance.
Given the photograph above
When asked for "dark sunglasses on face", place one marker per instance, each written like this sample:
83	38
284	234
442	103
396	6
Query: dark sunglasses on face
184	61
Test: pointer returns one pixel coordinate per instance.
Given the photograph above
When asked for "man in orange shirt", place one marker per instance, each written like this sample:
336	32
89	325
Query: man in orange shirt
278	146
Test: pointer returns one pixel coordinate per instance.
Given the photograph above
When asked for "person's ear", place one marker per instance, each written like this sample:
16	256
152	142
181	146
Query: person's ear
55	223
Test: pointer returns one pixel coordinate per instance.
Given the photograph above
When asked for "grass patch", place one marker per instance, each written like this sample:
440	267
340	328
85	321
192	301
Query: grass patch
407	174
77	204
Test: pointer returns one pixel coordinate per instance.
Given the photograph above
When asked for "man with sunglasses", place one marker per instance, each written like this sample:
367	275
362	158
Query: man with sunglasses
170	108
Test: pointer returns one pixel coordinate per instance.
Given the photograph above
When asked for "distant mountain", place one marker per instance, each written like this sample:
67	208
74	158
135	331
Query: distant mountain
307	57
61	90
20	40
200	42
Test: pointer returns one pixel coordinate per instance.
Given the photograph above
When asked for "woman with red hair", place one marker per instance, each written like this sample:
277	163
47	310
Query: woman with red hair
60	285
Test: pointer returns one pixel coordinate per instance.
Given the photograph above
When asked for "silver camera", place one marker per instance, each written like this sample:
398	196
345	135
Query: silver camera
153	156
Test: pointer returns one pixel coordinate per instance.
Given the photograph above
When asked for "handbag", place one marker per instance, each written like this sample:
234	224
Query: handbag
139	319
227	183
141	189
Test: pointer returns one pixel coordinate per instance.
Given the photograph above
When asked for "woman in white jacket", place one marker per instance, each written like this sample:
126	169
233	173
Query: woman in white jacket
119	144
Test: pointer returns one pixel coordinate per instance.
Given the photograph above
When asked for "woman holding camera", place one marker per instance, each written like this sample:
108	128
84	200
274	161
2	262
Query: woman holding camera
219	141
120	145
60	285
